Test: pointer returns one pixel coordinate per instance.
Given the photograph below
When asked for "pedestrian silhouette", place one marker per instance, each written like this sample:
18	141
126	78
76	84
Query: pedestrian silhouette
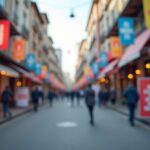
35	99
6	97
132	97
90	102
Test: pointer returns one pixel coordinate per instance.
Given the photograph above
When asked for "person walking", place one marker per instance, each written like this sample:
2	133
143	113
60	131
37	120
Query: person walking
6	97
41	96
35	99
72	96
90	102
51	96
113	96
132	97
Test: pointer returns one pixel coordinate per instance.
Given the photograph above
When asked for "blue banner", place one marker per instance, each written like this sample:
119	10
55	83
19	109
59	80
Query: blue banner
38	68
95	68
103	59
30	61
126	31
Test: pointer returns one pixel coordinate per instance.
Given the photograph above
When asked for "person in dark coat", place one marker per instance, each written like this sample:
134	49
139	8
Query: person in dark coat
132	97
78	97
6	97
51	96
113	96
35	99
72	96
41	95
90	102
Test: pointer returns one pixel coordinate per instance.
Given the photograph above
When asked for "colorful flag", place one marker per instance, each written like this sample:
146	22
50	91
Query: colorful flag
146	5
103	59
126	31
116	49
30	61
19	49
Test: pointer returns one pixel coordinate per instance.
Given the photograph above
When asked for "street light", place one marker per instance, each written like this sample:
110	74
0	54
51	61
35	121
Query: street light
72	15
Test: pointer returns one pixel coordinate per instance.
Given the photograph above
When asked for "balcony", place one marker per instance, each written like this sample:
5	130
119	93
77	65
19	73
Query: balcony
35	26
25	32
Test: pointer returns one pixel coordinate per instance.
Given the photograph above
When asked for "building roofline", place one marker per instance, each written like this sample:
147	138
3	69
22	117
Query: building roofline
47	19
34	4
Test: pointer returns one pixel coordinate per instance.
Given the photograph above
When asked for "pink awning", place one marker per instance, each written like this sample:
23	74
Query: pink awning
108	68
133	51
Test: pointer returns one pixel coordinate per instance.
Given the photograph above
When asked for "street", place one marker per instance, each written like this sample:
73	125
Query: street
63	127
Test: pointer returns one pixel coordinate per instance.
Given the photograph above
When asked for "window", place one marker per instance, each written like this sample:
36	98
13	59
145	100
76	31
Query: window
3	3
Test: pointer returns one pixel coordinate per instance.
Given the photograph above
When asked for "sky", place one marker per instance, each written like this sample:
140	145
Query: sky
67	32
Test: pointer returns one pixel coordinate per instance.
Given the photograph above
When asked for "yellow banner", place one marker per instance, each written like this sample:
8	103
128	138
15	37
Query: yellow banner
116	47
146	5
86	70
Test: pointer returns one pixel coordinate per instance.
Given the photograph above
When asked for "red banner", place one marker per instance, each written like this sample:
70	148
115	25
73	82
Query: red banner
4	34
144	92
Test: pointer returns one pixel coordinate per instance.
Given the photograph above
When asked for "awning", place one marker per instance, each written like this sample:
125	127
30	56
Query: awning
7	71
108	68
22	72
36	79
133	52
26	74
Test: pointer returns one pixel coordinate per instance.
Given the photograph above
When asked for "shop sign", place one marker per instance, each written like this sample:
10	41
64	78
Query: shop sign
146	5
144	92
19	49
126	31
103	59
30	61
22	96
44	71
38	68
4	34
116	47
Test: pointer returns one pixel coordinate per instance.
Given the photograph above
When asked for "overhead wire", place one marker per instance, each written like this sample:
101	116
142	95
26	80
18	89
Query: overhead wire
77	6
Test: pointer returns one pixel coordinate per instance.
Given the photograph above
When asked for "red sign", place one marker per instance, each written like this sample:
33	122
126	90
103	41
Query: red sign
144	91
4	34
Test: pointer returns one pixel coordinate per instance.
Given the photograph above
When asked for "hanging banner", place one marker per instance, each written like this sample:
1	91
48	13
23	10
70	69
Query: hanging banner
116	48
30	61
126	31
146	5
4	35
38	68
87	70
44	71
95	68
52	77
103	59
144	92
19	49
